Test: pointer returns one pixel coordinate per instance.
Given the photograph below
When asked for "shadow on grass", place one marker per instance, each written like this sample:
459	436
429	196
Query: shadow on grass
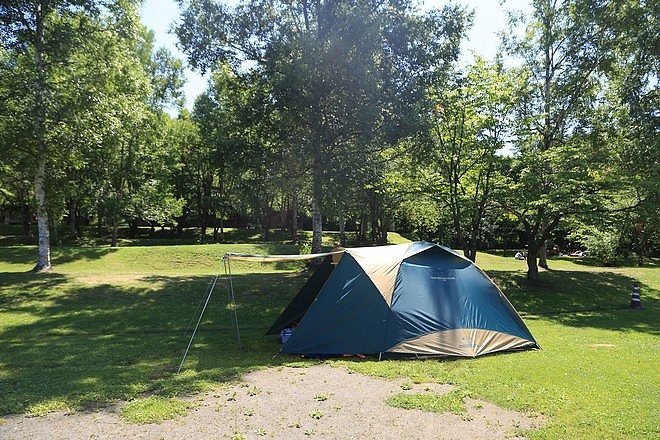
582	299
67	345
71	345
629	262
59	255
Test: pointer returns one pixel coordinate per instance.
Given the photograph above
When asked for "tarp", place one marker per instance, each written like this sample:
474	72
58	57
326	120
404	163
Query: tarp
276	258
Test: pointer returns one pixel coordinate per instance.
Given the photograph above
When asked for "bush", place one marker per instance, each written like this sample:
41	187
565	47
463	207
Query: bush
603	247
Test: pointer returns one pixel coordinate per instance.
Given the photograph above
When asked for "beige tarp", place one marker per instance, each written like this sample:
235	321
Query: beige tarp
276	258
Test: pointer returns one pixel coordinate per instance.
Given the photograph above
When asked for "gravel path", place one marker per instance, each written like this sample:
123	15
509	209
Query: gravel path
288	403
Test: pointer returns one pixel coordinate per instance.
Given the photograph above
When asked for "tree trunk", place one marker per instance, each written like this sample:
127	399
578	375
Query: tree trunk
384	226
532	267
222	228
43	257
543	255
73	230
317	226
374	218
317	219
43	260
202	227
342	229
115	233
473	251
265	219
294	217
363	227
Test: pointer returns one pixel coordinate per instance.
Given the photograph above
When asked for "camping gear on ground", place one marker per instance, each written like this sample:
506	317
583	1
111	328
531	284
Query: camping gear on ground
285	334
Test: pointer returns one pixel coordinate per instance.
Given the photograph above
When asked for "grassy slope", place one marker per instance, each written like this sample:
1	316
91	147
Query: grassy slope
108	324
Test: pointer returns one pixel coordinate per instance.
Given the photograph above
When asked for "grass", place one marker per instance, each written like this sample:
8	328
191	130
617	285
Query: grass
452	402
108	325
153	409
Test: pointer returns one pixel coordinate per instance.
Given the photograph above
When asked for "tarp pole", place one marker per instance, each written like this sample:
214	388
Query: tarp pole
232	303
192	319
197	325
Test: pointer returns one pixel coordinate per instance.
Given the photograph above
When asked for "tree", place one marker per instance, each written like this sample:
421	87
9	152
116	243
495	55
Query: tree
632	105
227	146
565	49
468	133
347	72
451	176
49	30
17	177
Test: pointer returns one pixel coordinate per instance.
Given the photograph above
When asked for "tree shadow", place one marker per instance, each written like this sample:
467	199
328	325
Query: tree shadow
19	287
62	255
582	299
70	345
59	254
652	263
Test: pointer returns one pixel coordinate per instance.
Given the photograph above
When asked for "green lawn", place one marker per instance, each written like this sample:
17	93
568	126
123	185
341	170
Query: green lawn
109	324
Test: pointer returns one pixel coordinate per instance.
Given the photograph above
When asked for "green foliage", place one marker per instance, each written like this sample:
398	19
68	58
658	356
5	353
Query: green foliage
153	409
562	162
602	246
334	81
454	178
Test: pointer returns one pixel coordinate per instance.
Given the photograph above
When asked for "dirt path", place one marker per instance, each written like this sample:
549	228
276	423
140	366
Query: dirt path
289	403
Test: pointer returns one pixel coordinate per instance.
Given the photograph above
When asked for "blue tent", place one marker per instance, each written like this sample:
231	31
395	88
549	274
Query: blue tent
412	299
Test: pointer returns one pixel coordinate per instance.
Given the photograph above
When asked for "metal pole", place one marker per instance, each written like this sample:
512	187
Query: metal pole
197	325
232	303
208	291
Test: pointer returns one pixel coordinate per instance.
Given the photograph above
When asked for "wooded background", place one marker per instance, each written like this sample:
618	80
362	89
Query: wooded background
353	115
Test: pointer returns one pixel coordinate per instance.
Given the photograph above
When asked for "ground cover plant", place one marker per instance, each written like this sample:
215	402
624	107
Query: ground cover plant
109	324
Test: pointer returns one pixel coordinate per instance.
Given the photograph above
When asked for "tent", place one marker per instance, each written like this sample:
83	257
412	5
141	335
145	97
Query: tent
419	299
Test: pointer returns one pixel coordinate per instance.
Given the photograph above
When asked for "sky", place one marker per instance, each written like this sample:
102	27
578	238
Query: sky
159	16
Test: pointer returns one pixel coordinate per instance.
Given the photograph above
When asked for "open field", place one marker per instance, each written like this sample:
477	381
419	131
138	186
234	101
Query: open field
108	324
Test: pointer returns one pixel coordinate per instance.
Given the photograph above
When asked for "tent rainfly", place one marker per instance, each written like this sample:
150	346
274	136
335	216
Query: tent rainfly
418	299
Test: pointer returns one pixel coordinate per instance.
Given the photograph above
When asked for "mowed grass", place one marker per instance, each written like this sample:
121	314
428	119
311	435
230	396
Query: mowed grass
108	324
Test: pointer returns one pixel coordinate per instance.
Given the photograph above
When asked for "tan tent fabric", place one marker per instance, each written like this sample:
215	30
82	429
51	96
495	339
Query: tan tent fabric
461	342
382	263
277	258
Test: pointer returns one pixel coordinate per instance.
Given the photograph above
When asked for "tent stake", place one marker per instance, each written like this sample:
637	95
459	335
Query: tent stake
197	325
